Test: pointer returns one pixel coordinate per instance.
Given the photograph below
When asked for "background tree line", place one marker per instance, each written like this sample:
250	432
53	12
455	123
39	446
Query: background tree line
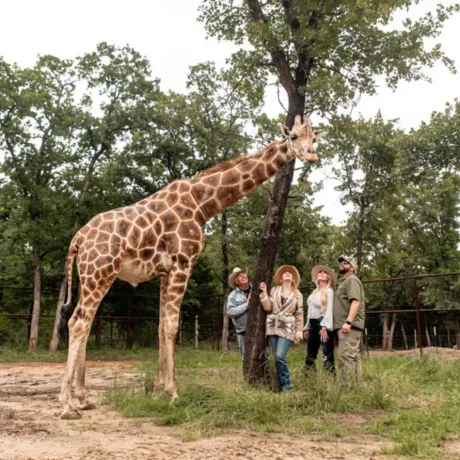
81	136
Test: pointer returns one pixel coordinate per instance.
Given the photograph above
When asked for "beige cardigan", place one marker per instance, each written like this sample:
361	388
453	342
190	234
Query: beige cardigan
283	320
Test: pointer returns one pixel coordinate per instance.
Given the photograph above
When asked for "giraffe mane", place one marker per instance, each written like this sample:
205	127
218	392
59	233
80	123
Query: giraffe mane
222	167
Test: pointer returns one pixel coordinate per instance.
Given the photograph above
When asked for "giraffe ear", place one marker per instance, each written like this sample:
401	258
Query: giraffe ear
298	120
285	130
318	133
307	122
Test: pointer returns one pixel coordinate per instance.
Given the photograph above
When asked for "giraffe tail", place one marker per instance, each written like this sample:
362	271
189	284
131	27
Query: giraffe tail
67	309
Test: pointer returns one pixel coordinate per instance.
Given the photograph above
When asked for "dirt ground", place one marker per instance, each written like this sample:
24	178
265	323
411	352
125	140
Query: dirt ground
30	427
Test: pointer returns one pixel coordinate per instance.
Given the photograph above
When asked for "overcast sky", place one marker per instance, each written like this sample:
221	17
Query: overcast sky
168	33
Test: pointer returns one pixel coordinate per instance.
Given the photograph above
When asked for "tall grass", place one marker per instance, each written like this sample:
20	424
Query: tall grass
412	402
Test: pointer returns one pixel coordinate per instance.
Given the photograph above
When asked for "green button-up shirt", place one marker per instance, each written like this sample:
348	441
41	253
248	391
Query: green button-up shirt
348	288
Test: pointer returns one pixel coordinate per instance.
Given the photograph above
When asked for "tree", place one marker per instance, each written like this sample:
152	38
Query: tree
36	118
323	54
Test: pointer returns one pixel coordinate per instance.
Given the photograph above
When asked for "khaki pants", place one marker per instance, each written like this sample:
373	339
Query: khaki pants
349	357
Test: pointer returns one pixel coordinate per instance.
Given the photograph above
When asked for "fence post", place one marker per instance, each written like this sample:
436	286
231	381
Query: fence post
196	331
417	312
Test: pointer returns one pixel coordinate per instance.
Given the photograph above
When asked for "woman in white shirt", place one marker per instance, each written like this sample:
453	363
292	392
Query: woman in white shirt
318	330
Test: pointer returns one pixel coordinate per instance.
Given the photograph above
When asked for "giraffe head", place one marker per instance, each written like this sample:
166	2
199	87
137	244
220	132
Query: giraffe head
301	138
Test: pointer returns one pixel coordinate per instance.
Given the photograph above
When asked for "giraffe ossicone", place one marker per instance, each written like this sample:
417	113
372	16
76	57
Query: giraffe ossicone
160	236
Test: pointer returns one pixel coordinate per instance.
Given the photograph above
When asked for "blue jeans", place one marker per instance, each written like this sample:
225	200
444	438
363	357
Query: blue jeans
240	338
280	346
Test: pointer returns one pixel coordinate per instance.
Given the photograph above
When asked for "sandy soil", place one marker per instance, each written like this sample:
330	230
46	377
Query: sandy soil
30	427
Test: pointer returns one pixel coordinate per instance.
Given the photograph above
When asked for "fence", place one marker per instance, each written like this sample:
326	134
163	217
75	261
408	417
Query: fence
201	317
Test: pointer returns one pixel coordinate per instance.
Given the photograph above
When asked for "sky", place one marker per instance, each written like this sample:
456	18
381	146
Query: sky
170	36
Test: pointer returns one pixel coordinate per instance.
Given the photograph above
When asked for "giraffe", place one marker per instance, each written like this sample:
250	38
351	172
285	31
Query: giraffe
160	236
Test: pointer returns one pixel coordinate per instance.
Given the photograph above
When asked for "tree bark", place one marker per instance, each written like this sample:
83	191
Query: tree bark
254	362
225	273
385	332
33	339
359	247
61	299
404	336
63	289
392	330
427	334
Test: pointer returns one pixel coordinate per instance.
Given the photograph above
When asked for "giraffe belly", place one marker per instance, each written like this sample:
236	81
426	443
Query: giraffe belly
134	272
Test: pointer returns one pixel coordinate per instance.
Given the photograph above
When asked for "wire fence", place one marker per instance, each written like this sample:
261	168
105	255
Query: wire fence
405	312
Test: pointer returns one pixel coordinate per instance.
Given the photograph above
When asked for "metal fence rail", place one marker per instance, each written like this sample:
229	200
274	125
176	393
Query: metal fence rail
196	325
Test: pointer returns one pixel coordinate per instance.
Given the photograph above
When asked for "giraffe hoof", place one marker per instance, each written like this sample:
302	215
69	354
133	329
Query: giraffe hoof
70	415
87	406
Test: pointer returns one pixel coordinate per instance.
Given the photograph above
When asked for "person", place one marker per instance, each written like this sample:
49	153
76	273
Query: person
284	320
349	314
237	303
318	330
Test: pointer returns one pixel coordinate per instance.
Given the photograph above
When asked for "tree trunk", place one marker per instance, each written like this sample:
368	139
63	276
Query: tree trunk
225	328
62	291
458	336
392	330
33	339
61	299
404	336
448	338
385	332
225	273
359	248
427	334
254	362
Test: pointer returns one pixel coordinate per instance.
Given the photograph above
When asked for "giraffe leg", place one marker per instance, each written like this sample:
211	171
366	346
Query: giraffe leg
80	390
175	293
75	341
79	329
159	377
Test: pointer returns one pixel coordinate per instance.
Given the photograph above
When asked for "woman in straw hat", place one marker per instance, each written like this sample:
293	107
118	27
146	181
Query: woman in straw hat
284	319
319	326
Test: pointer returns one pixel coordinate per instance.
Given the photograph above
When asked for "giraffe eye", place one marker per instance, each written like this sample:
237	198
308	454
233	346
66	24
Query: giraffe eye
294	137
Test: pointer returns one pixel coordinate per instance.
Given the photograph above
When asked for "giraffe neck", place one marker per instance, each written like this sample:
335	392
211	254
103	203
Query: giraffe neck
221	186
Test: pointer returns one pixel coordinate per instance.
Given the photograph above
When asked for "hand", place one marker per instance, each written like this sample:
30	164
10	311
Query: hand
323	334
305	335
249	298
296	340
263	287
346	328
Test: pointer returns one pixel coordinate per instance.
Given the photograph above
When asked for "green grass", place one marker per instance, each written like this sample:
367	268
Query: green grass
413	403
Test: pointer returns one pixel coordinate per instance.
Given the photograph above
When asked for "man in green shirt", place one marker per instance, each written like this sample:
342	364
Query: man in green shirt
349	307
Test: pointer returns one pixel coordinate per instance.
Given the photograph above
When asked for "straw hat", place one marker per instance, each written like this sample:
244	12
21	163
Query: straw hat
323	268
236	271
287	268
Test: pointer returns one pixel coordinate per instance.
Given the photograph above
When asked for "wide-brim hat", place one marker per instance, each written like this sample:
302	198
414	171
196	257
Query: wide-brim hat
322	268
287	268
236	271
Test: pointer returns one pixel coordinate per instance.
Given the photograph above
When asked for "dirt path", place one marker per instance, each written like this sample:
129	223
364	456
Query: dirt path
30	427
